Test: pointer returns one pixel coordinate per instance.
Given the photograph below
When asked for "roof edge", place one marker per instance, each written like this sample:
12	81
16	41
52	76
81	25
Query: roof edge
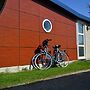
57	2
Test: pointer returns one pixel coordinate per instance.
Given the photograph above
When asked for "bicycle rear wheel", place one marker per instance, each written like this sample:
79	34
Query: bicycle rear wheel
43	61
63	60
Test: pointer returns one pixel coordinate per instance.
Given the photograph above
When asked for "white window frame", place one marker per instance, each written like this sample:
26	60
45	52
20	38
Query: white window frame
44	27
84	45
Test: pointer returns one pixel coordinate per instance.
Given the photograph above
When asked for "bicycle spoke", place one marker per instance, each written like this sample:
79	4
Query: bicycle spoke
43	61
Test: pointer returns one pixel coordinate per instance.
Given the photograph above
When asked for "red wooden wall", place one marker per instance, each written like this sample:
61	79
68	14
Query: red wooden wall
21	32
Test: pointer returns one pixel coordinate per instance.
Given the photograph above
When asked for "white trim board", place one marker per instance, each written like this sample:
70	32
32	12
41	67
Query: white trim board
20	68
14	68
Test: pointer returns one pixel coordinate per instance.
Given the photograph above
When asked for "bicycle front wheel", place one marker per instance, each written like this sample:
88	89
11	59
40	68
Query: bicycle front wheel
63	60
43	61
33	61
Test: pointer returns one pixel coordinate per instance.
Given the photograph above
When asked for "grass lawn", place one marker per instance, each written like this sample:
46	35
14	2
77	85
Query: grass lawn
10	79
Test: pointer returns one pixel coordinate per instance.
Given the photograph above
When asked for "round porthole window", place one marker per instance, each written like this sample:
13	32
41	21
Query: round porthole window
47	25
2	4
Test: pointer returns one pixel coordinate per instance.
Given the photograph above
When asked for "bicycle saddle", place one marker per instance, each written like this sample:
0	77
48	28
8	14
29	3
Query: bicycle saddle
57	46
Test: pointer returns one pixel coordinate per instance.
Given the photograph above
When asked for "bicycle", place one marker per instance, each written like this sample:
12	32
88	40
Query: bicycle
44	60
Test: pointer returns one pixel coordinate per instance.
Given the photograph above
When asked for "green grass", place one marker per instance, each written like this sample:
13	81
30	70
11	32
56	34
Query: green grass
10	79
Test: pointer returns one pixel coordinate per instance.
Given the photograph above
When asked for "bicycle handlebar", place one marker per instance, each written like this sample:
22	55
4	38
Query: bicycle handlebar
45	42
57	46
49	39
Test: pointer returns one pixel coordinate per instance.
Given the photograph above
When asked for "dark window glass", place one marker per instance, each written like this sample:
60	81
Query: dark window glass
80	28
2	3
81	40
81	51
47	25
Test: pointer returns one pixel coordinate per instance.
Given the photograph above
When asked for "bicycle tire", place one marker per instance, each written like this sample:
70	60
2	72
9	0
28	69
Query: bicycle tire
33	61
43	61
64	60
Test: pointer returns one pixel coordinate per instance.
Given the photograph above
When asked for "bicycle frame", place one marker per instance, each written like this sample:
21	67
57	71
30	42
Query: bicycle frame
59	57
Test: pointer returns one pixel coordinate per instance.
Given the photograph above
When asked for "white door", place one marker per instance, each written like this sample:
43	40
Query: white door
81	40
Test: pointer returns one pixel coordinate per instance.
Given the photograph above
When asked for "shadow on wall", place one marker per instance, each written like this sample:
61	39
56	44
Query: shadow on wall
2	4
